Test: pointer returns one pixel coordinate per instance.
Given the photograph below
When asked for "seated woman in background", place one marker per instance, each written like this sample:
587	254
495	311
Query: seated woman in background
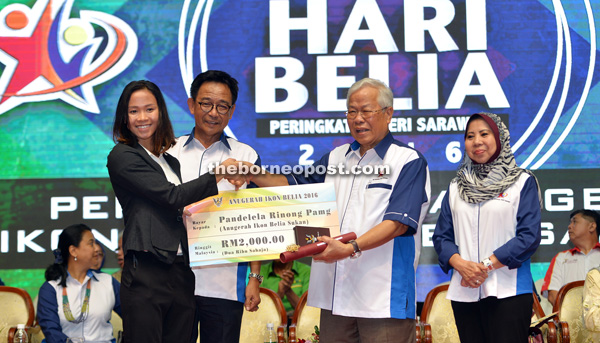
591	303
76	301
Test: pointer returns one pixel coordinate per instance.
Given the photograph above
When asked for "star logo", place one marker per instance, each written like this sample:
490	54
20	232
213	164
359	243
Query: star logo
50	54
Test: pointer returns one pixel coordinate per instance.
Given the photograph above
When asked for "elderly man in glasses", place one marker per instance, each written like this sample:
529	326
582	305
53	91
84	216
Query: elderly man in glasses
221	291
366	288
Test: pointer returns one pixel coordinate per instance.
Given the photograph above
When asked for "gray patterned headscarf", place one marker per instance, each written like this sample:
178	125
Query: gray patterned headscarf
481	182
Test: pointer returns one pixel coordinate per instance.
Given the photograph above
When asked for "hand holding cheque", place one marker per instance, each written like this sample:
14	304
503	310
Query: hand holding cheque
256	224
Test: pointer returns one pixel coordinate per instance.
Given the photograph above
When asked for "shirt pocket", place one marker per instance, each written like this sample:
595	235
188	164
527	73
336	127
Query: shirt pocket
375	202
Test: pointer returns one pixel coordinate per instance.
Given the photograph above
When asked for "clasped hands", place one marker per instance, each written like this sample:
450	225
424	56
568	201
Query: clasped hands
285	284
473	274
236	172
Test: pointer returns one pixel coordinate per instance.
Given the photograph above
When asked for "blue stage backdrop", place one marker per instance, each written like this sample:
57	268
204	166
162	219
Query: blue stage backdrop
64	63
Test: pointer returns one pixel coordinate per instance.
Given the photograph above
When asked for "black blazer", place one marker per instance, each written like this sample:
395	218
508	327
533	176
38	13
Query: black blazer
152	206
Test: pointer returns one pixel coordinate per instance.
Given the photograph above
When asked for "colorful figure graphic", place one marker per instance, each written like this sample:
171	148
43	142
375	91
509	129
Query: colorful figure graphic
311	238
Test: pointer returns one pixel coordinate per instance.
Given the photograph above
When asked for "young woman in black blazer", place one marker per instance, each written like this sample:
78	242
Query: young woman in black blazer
157	284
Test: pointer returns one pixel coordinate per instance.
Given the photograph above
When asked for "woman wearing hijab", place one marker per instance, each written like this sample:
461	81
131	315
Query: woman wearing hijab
488	228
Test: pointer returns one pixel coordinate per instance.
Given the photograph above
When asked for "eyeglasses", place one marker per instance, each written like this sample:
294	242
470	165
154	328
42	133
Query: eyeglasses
222	109
352	114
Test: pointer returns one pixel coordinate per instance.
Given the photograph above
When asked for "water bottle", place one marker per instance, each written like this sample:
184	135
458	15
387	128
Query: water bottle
270	336
20	335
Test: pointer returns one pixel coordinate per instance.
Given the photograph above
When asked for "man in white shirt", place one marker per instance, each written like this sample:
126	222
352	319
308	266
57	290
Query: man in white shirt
573	264
221	290
366	288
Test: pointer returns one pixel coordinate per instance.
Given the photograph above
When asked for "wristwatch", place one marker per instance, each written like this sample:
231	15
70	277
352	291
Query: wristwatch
488	264
357	252
257	277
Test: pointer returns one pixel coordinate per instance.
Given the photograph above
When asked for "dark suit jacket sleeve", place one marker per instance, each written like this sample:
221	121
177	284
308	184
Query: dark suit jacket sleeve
131	171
